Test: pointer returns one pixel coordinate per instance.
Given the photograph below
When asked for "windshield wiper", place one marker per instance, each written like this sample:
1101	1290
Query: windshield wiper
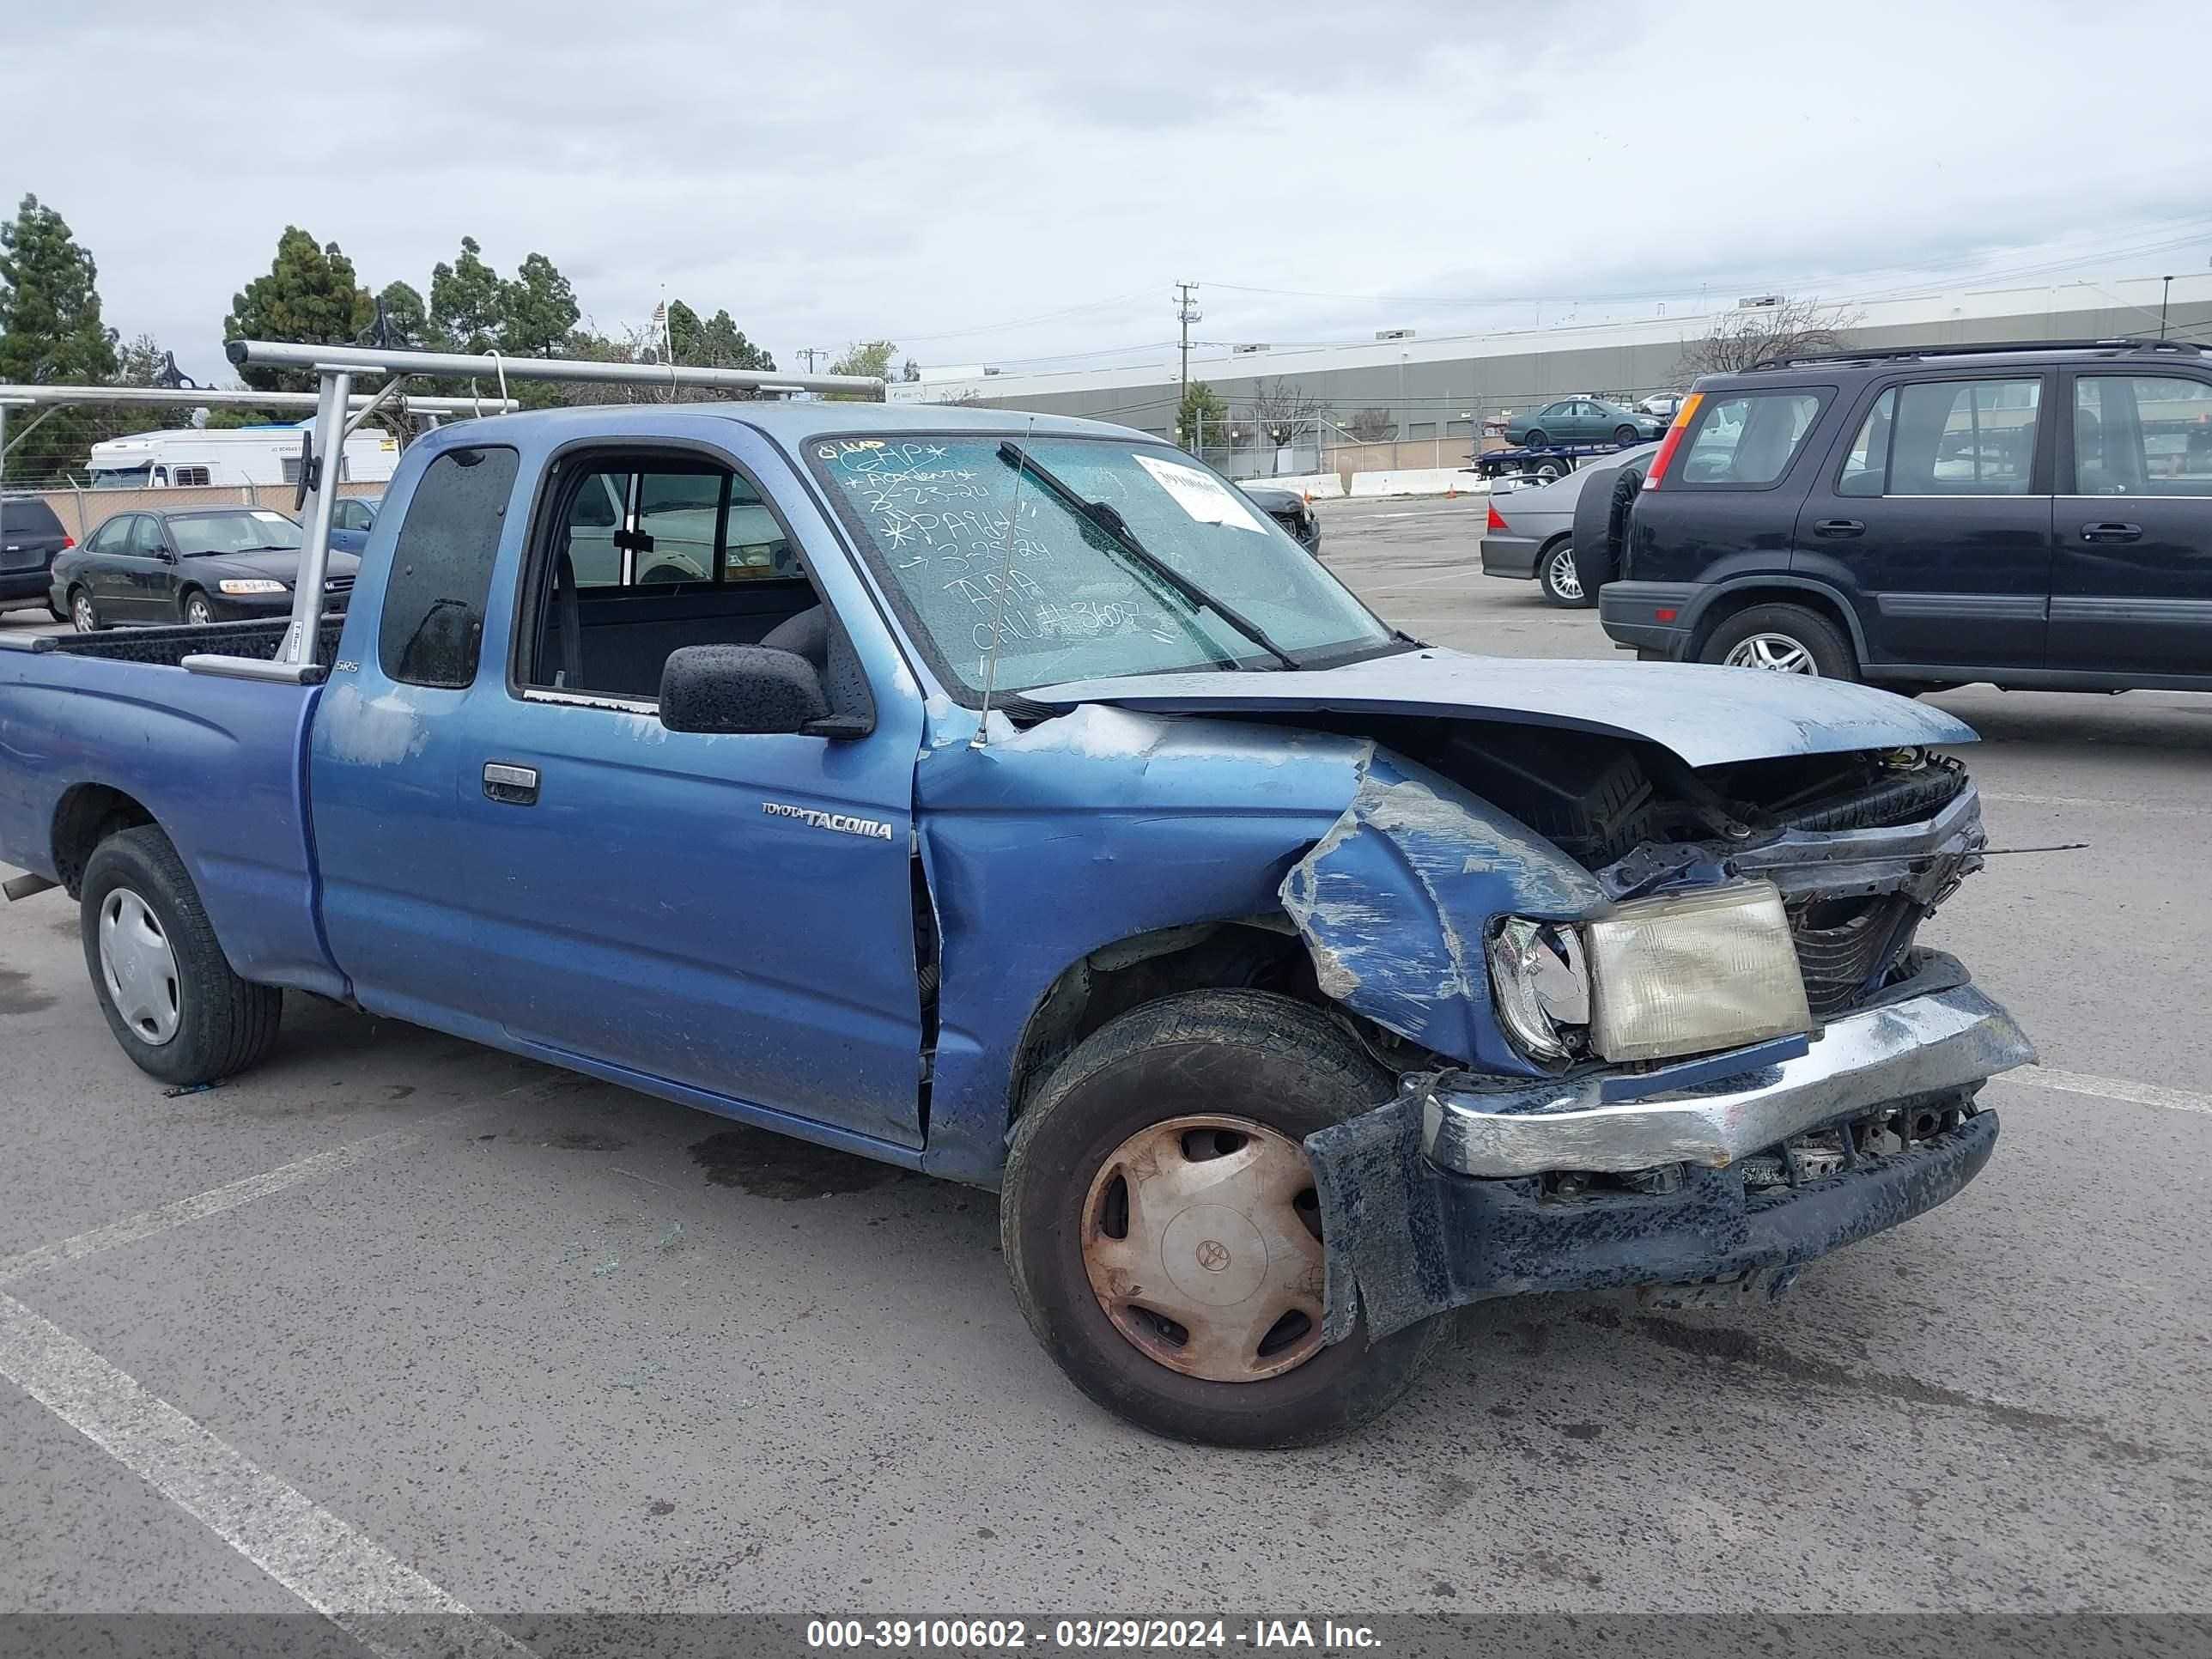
1107	519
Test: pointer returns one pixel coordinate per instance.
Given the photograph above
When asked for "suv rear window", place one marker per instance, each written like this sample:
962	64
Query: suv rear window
1746	440
23	517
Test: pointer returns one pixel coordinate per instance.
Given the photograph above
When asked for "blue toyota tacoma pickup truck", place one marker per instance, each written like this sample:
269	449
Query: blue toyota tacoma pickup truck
1008	800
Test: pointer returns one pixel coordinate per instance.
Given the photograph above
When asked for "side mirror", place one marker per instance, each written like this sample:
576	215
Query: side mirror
166	556
753	689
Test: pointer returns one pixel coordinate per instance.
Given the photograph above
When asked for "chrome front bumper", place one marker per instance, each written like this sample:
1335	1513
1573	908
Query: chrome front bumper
1946	1039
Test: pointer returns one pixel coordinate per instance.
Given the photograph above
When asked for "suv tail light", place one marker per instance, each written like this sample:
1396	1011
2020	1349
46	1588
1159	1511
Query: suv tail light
1496	521
1674	441
67	541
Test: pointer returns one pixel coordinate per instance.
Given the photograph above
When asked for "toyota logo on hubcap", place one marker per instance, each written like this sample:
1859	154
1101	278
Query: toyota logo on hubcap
1213	1256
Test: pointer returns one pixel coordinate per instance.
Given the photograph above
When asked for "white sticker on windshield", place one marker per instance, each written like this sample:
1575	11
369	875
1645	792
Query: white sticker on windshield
1201	494
272	518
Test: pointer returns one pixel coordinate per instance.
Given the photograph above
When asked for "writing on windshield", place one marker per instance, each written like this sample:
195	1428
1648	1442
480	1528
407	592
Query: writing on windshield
980	553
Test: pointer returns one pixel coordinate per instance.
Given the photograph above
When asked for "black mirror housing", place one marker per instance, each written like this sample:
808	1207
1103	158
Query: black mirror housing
750	689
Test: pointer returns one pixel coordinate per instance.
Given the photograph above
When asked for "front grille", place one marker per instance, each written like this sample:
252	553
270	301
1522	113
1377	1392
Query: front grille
337	584
1846	947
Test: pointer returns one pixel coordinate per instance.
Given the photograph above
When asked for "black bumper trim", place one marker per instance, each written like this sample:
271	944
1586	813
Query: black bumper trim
1416	1241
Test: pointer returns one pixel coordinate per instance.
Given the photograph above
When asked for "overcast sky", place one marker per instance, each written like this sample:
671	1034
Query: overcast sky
1004	182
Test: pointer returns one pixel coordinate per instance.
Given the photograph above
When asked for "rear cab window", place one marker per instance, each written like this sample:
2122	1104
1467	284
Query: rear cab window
1748	439
434	602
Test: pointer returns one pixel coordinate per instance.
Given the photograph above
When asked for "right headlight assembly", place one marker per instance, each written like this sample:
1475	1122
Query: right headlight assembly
1656	978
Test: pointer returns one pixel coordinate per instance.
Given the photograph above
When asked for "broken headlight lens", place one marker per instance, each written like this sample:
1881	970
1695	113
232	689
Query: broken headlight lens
1542	986
1693	972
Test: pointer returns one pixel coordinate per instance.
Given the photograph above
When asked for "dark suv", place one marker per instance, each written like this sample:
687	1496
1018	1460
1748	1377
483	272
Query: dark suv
30	536
2030	515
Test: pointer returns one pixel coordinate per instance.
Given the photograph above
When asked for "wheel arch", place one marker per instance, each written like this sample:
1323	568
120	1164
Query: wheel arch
86	815
1726	599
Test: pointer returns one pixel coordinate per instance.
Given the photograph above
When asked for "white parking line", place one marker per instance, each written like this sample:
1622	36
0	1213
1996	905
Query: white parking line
214	1202
2111	1088
2093	801
349	1578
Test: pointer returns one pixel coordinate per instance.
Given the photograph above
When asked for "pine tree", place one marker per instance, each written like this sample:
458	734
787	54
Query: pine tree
309	296
51	331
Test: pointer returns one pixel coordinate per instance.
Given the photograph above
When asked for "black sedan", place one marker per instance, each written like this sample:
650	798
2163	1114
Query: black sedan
1288	508
198	565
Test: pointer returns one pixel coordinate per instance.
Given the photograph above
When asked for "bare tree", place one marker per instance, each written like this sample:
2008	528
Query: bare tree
1753	334
1279	408
1372	426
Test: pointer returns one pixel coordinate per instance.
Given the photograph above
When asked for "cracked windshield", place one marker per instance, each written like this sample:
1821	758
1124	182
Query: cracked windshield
1121	559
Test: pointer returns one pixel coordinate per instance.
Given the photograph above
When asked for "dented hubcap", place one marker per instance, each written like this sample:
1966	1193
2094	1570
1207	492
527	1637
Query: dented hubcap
1201	1237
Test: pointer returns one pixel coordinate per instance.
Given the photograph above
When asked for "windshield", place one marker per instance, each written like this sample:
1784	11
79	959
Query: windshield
1072	596
122	478
232	532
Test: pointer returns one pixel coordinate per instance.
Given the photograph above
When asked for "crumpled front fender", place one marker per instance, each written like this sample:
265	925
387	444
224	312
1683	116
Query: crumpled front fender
1396	900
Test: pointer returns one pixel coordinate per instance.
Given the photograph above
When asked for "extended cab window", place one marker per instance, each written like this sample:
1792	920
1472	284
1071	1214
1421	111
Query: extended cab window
1746	440
433	603
2142	434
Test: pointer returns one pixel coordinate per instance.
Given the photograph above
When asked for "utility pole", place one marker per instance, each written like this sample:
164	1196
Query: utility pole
811	353
2163	295
1186	312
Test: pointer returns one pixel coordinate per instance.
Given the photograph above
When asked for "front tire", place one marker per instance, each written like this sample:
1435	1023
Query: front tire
1785	639
1556	576
1160	1228
1534	440
198	612
1625	435
168	992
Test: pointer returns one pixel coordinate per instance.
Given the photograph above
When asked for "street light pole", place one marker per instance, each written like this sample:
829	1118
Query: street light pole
2163	295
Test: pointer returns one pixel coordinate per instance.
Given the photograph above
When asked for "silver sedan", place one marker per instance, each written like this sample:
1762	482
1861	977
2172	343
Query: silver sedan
1530	534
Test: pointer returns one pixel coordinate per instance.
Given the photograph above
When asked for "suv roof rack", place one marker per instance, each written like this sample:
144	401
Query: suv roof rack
1985	347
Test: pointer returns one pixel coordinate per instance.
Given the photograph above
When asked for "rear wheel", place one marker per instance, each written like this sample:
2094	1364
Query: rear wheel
1781	639
1162	1230
198	613
1555	574
162	980
82	616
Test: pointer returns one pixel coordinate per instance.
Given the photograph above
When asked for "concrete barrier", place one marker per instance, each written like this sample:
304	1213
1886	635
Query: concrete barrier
1418	481
1320	486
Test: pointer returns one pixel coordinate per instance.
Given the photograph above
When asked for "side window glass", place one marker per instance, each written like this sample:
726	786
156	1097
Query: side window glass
108	538
1866	468
1965	438
678	525
2142	434
433	605
146	536
1748	439
597	515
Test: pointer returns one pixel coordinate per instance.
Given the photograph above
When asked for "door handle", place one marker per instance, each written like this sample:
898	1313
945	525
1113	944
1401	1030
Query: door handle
510	786
1838	527
2111	532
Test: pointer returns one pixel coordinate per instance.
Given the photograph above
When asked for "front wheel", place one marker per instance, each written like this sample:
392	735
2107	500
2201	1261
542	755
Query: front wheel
198	613
1625	435
1161	1225
1781	639
82	616
1536	440
168	992
1556	577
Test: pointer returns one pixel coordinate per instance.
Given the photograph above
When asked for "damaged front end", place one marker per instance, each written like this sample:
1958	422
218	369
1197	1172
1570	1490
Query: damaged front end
1684	1033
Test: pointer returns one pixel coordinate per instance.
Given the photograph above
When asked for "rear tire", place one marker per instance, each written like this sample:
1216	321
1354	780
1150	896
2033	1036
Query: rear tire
1783	639
1601	528
1258	1074
83	617
1555	574
162	980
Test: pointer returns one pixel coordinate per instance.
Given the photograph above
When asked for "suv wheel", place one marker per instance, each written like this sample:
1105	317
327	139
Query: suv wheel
1781	639
1555	574
1162	1231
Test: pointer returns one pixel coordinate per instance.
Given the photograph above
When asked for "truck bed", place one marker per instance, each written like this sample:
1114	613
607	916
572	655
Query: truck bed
93	726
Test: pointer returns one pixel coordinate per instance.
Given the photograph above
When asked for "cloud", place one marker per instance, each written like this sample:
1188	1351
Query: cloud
833	173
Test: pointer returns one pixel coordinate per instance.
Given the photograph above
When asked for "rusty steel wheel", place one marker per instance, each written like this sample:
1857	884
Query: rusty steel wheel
1201	1237
1162	1230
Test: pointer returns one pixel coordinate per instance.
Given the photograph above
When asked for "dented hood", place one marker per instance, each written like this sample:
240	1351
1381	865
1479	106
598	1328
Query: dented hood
1710	716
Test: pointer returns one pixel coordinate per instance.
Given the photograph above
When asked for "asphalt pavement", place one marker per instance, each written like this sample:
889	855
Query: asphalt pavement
397	1311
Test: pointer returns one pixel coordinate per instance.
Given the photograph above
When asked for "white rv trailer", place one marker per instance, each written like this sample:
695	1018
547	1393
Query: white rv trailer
183	456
